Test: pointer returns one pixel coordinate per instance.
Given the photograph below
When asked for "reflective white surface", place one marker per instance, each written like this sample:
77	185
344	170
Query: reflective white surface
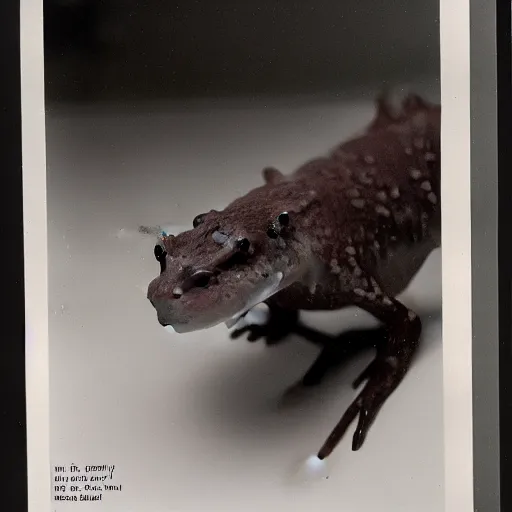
197	422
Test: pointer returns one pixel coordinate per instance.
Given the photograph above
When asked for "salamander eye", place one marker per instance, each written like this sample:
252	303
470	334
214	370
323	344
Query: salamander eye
284	219
160	255
159	252
202	278
243	245
198	219
276	227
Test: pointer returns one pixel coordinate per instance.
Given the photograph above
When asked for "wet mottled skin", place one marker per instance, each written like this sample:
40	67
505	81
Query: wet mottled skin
351	228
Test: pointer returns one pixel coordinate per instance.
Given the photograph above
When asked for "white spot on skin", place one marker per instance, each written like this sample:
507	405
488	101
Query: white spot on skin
415	174
371	296
369	159
387	301
395	193
358	203
432	198
353	193
334	262
177	292
419	143
350	250
382	210
365	179
382	196
408	151
430	157
359	292
352	262
412	315
426	186
358	272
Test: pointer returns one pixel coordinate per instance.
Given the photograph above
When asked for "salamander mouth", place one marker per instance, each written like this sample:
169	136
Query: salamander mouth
226	302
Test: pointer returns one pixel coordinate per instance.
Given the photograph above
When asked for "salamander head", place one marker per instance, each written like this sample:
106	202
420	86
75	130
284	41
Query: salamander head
229	262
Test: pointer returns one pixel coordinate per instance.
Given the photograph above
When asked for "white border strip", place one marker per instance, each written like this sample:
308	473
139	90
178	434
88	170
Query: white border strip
36	266
456	254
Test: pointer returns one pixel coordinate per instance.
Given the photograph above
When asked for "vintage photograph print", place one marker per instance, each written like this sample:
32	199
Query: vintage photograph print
244	236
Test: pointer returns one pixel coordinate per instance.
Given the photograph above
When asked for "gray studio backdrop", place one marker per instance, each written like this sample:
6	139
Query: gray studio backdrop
111	168
165	48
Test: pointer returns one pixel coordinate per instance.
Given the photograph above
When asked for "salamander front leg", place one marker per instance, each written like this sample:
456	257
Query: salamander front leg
386	371
281	322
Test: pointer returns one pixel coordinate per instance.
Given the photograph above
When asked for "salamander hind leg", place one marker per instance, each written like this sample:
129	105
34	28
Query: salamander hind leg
386	371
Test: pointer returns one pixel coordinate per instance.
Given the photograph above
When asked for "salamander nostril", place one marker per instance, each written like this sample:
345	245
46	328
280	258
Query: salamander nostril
177	292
